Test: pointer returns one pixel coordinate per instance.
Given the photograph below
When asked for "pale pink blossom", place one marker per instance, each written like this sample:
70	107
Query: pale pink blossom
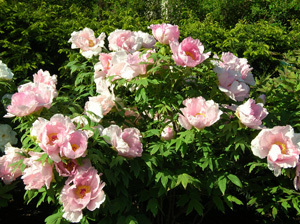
66	168
8	172
125	40
251	114
83	190
234	75
189	52
165	33
37	173
199	113
52	134
93	109
128	66
33	96
148	40
87	42
127	142
168	132
280	145
75	145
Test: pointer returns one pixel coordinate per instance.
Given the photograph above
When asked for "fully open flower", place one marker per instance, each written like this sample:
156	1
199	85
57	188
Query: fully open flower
251	114
280	145
75	145
125	40
38	173
52	134
33	96
199	113
127	142
165	33
189	52
234	75
8	172
86	41
83	190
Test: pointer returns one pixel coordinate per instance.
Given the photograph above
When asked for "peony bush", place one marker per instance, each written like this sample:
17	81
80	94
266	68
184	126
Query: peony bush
150	130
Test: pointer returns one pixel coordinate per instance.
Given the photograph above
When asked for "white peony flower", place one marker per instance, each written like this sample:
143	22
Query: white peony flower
7	135
5	72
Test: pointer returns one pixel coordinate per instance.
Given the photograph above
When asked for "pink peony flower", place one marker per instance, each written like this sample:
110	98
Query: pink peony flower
83	190
66	169
251	114
124	40
8	173
86	41
189	52
234	75
37	174
51	135
165	33
199	113
168	132
75	145
280	145
127	142
33	96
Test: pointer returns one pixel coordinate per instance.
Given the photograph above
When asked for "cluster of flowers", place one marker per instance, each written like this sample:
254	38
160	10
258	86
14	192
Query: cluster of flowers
65	145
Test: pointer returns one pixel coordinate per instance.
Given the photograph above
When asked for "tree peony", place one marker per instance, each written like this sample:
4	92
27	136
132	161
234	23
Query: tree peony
127	142
8	172
38	173
199	113
280	145
86	41
189	52
83	190
67	168
165	33
251	114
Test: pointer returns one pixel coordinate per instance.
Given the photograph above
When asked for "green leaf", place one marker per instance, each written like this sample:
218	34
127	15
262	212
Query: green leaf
195	205
222	181
152	206
219	203
55	218
235	180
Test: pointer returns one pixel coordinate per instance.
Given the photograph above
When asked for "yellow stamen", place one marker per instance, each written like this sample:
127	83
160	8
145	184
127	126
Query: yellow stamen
203	114
81	191
52	137
281	146
190	54
74	147
91	43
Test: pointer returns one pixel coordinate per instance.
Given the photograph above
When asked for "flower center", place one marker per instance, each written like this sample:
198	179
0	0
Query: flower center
199	114
190	54
81	191
281	146
69	165
52	138
74	147
91	43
